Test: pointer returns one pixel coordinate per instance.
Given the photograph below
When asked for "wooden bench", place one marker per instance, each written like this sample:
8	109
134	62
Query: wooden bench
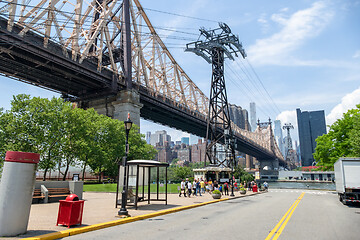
58	192
37	194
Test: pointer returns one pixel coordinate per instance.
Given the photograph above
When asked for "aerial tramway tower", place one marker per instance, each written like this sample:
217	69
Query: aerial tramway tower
218	44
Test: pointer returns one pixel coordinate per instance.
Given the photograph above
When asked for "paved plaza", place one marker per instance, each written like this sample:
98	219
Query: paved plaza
100	208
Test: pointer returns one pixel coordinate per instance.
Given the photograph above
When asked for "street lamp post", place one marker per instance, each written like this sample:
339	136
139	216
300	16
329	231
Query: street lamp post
123	212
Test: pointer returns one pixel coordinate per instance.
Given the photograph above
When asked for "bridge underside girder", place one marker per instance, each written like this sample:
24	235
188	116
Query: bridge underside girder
26	59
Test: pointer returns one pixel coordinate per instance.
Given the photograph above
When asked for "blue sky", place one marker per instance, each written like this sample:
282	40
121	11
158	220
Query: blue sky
306	54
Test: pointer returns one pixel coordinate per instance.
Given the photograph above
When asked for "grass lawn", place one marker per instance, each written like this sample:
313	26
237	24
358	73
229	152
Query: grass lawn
172	188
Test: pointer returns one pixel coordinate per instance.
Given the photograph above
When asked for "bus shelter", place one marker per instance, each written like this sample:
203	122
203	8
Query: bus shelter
146	181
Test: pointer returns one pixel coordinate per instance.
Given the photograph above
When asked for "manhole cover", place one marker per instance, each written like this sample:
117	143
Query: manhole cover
204	218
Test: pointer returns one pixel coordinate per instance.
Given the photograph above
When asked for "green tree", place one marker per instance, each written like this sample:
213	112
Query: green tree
342	140
177	173
242	175
66	136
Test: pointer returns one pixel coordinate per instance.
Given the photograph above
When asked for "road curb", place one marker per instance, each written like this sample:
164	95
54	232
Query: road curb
75	231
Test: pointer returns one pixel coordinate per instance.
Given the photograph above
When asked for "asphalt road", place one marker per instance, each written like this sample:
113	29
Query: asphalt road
313	215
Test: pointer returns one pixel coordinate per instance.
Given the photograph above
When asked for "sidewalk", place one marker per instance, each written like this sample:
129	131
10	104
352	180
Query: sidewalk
99	208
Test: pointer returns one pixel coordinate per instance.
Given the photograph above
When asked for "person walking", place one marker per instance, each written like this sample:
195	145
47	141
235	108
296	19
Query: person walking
198	187
226	188
189	188
215	185
202	186
194	187
182	188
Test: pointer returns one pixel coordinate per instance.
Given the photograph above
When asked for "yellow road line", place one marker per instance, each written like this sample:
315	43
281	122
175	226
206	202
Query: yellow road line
291	210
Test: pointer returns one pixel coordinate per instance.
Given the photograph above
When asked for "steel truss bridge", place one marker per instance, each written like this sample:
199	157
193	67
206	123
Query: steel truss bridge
72	47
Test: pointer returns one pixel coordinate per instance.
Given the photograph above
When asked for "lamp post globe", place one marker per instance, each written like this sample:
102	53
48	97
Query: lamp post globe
123	211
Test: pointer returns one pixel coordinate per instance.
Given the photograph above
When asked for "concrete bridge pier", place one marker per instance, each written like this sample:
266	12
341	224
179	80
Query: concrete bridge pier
269	169
126	101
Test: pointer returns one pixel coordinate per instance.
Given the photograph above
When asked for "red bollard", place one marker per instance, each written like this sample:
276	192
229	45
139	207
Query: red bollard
70	211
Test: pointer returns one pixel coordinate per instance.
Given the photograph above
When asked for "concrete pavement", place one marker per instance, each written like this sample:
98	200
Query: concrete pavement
100	208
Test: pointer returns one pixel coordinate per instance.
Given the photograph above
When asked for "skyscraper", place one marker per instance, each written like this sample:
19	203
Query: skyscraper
310	125
239	116
185	140
159	138
148	137
253	116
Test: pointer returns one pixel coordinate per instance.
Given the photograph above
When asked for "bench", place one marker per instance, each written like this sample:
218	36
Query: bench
58	192
37	196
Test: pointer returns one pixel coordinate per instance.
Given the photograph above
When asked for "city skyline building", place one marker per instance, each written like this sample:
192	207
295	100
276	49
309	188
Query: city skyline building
239	116
185	140
311	124
278	132
148	137
253	116
159	138
193	139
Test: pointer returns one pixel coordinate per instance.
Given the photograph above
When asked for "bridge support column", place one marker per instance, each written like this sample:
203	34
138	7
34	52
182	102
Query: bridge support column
269	169
248	161
126	101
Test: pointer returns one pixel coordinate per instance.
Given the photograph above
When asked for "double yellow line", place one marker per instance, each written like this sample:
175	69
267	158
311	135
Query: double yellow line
283	223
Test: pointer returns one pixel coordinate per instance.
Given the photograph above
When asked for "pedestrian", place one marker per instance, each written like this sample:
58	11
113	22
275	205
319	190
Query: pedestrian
249	186
194	187
216	185
226	188
189	188
221	189
266	185
235	186
198	187
182	188
202	186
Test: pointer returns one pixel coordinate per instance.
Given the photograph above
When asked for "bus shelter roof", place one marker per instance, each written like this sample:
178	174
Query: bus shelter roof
147	163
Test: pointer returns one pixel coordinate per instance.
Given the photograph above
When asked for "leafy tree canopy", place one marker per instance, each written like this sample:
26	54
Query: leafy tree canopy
343	140
67	136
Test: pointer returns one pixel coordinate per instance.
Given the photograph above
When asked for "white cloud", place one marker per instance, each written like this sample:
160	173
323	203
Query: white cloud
279	18
357	54
264	24
349	101
299	27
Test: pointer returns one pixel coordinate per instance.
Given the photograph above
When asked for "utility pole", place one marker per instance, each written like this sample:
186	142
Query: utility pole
218	44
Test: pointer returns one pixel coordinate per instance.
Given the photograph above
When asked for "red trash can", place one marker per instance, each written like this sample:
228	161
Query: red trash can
254	188
70	211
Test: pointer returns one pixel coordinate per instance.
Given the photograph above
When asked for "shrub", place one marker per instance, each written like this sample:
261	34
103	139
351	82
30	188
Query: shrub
216	192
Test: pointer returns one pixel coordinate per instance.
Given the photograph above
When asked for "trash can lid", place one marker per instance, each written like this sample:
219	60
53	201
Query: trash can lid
22	157
72	197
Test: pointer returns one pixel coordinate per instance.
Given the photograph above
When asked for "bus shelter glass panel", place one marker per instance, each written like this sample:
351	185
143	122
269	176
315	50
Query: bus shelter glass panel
120	185
158	183
132	180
